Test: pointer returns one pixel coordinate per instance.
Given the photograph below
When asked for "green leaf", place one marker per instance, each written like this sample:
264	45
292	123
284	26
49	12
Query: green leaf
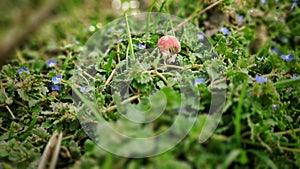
265	159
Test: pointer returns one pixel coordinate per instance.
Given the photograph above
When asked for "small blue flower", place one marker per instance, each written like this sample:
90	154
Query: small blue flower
56	79
23	69
123	23
51	63
260	58
264	2
274	107
288	57
82	89
275	50
235	51
225	31
199	81
280	20
276	0
260	79
294	76
294	4
240	18
200	36
55	86
142	45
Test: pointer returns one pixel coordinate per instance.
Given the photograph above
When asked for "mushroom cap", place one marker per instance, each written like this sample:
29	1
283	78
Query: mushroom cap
169	45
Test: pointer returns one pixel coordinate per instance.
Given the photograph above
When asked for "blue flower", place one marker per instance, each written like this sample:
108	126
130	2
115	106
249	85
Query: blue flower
276	0
294	4
274	107
264	2
55	86
142	45
82	89
123	23
199	81
280	20
240	18
23	69
260	79
288	57
56	79
294	76
225	31
235	51
260	58
200	36
275	50
51	63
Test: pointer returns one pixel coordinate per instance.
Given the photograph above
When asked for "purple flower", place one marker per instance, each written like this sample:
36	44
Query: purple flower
56	79
294	4
275	50
123	23
260	58
260	79
142	45
240	18
200	36
55	86
22	69
288	57
82	89
51	63
225	31
199	81
264	2
274	107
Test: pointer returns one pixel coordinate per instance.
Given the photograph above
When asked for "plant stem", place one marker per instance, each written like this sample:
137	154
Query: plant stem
286	83
129	37
237	119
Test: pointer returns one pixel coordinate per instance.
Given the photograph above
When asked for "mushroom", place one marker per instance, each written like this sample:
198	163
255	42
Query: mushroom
169	46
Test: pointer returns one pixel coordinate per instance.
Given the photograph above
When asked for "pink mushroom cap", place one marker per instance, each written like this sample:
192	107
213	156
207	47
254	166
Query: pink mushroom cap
169	45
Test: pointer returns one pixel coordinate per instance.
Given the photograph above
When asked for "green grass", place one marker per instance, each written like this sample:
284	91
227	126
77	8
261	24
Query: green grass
260	124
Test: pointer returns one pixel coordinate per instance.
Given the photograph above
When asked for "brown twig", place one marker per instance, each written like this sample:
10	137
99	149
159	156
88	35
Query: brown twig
288	131
198	13
110	77
11	113
51	151
114	107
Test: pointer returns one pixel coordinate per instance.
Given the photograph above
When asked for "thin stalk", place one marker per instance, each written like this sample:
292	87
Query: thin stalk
237	119
129	38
